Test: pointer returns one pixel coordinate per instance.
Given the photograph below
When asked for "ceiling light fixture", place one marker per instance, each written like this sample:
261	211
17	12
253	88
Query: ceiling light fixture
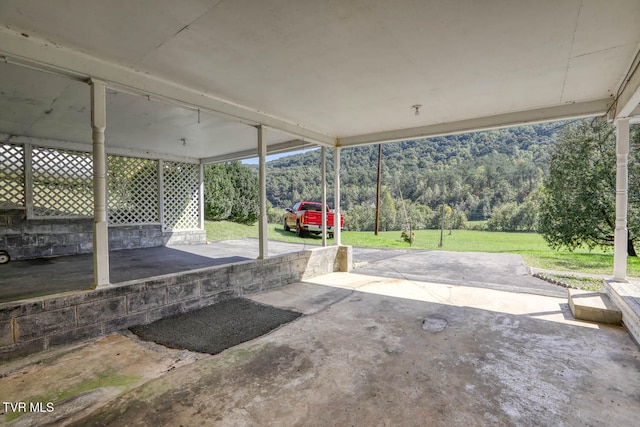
416	107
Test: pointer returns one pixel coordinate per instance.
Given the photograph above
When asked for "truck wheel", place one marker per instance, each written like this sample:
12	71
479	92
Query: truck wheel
299	231
285	226
4	257
331	235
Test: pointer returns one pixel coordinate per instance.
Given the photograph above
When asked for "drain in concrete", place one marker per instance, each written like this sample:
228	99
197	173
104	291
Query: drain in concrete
434	324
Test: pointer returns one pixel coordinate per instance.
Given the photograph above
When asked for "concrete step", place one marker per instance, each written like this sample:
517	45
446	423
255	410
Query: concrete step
594	307
626	295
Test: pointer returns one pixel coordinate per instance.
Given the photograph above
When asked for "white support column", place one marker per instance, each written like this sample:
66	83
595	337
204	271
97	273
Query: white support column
621	233
100	225
336	209
201	196
262	175
323	183
161	194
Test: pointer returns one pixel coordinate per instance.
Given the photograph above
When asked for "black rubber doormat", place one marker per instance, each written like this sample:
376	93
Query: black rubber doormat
217	327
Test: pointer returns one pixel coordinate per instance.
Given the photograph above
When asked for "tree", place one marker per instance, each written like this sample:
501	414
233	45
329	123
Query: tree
529	212
578	196
504	218
474	172
274	215
218	192
516	217
231	193
387	212
360	218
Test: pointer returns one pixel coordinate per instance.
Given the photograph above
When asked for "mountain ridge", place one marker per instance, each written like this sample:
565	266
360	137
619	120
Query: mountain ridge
471	172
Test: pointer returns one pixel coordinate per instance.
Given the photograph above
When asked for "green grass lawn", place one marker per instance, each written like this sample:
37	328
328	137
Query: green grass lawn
530	246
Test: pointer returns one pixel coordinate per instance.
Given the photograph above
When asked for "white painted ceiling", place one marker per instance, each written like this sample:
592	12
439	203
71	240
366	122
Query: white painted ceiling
343	68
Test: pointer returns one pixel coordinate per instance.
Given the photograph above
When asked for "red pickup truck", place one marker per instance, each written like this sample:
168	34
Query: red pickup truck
306	217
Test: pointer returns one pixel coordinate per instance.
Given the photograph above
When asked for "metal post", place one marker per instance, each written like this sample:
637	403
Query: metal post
323	173
100	225
336	209
621	235
262	175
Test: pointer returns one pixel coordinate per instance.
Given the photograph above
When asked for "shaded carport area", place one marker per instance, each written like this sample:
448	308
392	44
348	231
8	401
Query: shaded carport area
211	81
148	96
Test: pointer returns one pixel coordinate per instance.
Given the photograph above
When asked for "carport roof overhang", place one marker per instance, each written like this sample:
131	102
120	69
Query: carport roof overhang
313	73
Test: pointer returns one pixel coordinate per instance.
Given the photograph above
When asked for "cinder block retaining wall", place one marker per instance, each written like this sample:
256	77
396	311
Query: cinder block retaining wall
37	238
33	325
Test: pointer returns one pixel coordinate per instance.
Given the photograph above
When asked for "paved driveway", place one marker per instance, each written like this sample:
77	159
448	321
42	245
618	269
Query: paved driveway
505	272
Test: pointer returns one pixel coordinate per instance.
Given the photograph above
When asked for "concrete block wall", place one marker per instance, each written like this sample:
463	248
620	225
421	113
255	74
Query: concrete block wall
38	238
184	237
37	324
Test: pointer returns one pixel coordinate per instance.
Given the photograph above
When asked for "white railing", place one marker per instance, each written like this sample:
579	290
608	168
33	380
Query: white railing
53	183
181	196
62	184
132	191
12	176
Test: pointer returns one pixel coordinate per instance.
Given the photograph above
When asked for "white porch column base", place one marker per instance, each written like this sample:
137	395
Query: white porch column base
100	225
262	175
336	209
621	233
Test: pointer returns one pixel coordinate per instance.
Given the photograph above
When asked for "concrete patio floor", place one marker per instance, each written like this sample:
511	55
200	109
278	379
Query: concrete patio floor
369	350
45	276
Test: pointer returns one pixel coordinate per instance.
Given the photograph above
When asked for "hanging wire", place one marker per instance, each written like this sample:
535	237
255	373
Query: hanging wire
561	126
627	78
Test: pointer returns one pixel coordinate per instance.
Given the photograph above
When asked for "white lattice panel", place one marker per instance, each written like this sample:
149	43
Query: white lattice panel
181	196
11	176
62	183
133	190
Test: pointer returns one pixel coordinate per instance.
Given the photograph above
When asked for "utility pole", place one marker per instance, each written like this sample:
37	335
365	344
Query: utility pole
378	189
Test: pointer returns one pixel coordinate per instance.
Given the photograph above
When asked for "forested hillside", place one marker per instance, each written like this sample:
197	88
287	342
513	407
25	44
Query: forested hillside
469	176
